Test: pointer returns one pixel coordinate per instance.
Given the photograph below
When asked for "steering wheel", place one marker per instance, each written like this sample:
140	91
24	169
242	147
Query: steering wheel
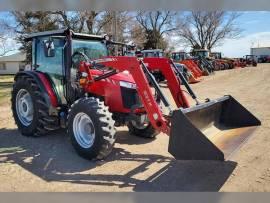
76	64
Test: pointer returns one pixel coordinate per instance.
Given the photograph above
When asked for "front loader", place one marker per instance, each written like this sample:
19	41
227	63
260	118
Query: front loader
203	60
208	131
182	57
74	84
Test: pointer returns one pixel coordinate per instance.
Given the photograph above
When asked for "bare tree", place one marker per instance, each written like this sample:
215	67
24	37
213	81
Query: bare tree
4	48
138	35
29	22
91	22
70	19
79	21
155	25
208	29
117	23
6	38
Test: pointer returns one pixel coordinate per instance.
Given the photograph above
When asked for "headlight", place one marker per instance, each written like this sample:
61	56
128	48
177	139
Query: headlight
127	85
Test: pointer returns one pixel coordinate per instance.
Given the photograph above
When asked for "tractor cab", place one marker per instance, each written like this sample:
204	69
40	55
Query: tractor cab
203	53
216	55
180	56
59	53
204	60
250	58
152	53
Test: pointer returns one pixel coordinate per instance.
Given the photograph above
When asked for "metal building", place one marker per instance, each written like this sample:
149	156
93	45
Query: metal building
260	51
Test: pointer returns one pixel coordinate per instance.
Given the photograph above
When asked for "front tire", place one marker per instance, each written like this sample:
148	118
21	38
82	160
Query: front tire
145	130
91	128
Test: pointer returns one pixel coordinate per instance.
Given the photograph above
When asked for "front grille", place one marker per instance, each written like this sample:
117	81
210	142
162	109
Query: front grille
130	97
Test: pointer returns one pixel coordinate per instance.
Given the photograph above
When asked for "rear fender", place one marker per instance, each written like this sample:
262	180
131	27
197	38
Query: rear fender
47	91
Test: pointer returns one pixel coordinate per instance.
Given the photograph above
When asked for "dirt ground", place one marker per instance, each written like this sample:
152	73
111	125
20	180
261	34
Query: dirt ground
49	163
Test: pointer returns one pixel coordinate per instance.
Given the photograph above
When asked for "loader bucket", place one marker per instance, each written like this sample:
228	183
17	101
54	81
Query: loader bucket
210	131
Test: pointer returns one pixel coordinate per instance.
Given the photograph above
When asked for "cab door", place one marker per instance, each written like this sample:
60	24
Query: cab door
51	65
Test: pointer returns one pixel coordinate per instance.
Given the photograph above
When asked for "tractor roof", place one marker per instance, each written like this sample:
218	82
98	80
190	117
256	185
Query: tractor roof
75	35
176	52
200	50
64	32
151	50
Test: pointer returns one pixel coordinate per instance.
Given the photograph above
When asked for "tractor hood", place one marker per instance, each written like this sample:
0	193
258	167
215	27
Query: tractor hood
122	76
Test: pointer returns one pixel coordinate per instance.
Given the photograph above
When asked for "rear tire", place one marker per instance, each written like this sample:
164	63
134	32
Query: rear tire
91	128
38	122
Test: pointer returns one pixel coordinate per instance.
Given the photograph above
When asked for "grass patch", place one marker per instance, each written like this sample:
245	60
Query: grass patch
6	82
10	149
6	77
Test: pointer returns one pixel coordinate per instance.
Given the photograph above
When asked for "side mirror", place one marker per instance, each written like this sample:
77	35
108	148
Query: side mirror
49	49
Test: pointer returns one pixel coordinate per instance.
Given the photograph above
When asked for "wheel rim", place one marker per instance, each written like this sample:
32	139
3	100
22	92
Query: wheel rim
24	107
84	130
141	125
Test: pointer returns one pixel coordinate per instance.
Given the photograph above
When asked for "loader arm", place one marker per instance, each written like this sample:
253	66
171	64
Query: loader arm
164	65
207	131
133	66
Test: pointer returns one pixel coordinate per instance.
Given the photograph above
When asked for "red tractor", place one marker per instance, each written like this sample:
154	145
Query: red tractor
239	63
154	53
223	63
74	84
156	72
182	58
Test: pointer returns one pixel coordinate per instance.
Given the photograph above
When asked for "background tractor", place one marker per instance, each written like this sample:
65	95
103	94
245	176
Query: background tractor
75	85
190	64
203	60
156	53
226	63
250	60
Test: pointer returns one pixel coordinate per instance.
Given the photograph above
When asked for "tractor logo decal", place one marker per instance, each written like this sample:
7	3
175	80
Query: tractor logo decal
147	98
105	60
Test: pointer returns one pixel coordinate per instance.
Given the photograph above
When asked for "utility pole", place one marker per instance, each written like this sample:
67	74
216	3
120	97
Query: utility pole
114	24
114	30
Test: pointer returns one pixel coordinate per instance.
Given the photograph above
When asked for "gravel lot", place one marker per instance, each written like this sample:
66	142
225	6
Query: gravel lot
49	163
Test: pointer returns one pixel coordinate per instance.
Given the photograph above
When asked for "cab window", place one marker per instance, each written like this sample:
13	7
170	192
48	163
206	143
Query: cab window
93	49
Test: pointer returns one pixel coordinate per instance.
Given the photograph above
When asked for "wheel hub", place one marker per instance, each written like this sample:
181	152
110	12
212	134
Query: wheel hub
24	107
84	130
141	123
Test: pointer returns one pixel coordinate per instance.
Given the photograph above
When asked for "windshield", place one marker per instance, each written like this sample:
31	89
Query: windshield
153	54
93	49
250	57
216	55
130	53
179	56
203	53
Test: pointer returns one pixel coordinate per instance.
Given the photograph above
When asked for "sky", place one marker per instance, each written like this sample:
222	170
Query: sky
255	26
256	33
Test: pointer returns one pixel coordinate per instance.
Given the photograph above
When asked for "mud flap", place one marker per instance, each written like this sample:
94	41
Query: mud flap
210	131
